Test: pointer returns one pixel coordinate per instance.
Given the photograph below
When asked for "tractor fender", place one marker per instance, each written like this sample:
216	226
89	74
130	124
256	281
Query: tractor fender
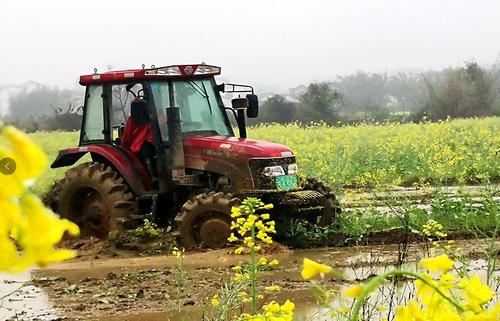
122	160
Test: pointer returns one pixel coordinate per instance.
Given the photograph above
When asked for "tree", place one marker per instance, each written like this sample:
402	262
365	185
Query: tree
319	103
278	110
38	103
362	91
465	92
45	108
121	102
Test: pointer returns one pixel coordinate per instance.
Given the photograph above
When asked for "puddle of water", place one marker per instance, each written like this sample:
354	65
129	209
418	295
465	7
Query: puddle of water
28	303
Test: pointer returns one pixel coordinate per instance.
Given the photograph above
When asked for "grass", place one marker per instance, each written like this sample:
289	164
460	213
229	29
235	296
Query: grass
462	216
51	143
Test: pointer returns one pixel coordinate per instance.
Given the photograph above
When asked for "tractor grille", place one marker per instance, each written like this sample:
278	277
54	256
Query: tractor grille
257	166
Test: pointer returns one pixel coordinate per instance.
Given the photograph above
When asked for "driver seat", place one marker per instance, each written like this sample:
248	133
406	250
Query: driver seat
139	116
139	111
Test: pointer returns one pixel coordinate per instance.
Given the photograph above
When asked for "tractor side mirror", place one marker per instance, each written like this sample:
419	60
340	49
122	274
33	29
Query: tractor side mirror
253	106
239	103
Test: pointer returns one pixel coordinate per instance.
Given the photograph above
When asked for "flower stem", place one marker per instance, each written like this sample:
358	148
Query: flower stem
373	284
253	271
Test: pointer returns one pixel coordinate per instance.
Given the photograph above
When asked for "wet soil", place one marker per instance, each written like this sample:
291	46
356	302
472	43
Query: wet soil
146	288
130	278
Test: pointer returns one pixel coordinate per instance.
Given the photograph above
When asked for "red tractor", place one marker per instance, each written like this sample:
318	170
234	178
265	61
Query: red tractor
198	170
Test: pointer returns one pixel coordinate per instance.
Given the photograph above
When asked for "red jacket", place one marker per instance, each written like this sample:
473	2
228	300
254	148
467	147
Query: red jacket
135	135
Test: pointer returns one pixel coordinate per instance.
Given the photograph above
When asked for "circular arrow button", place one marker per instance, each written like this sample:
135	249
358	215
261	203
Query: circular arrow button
7	166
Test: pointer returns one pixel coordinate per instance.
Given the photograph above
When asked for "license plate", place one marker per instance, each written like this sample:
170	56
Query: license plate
285	183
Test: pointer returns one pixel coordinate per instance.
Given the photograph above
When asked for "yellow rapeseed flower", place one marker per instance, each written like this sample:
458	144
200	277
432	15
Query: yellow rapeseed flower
354	291
439	263
28	230
31	161
313	269
239	250
215	300
272	288
476	292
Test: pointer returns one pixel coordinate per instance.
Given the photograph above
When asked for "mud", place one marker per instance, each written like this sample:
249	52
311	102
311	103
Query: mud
145	288
130	278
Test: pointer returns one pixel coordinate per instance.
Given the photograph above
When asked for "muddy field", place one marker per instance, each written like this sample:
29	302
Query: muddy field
121	279
143	288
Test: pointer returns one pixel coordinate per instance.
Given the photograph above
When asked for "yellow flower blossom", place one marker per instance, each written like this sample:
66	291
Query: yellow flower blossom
215	301
312	269
232	238
476	292
238	277
28	230
177	253
438	263
354	291
239	250
265	216
272	288
30	159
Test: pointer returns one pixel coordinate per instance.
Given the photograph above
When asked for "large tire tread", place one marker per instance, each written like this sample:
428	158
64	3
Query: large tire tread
116	195
192	213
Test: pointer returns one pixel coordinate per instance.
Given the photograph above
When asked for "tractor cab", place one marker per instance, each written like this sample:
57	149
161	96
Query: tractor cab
193	170
176	102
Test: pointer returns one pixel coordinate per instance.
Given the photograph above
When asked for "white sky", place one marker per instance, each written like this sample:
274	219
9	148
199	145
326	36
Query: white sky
270	44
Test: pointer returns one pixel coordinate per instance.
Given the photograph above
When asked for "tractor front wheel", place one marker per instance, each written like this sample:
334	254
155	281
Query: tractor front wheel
205	220
331	205
95	197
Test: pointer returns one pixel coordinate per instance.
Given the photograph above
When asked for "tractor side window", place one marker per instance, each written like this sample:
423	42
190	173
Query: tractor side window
93	128
120	102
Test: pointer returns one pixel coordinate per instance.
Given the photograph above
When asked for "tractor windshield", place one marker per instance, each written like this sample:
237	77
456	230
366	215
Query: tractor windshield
201	109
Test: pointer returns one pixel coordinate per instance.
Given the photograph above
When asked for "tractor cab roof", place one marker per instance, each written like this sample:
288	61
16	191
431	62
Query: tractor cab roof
153	73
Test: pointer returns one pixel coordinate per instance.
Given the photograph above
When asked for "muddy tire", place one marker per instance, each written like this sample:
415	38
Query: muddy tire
205	220
95	197
332	206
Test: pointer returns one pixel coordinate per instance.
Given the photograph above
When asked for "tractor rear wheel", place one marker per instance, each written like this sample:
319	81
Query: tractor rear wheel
332	206
95	197
205	220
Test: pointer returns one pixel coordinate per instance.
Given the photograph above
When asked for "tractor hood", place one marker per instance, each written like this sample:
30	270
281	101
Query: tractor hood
238	147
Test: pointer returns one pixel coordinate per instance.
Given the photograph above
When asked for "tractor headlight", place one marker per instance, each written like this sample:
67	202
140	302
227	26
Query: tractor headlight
292	169
274	171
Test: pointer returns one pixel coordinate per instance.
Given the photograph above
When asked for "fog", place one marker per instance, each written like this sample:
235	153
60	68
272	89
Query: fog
271	44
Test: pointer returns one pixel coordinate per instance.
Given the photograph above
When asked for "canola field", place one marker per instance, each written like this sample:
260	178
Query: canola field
450	152
457	151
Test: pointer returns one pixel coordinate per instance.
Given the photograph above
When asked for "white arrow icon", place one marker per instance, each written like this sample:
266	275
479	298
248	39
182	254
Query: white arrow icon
7	166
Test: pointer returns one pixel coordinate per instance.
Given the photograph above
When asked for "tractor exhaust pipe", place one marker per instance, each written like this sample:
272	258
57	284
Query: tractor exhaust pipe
242	126
176	148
